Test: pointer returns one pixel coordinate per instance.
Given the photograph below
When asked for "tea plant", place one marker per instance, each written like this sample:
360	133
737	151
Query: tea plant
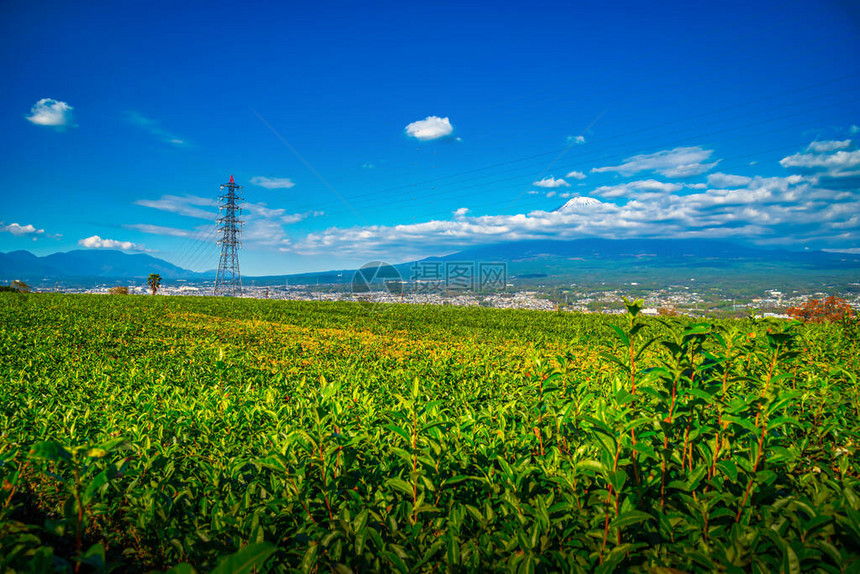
199	434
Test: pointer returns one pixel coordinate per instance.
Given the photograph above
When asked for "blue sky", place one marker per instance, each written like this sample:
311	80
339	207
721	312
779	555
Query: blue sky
398	131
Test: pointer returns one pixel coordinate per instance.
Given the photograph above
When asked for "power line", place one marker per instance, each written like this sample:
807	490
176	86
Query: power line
582	157
596	152
192	244
204	250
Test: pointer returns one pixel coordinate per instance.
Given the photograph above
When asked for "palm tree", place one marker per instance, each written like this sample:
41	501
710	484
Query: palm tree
154	282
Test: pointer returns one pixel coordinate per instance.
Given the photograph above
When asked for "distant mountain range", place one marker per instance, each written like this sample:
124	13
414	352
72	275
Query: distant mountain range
655	261
596	259
75	266
651	252
658	262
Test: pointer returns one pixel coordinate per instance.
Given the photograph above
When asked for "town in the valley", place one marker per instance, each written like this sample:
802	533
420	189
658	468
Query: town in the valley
691	300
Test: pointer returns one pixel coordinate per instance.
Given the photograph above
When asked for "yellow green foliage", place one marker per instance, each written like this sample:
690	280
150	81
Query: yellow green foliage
305	436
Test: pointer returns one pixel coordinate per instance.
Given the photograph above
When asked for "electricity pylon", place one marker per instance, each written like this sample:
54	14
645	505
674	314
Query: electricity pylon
228	281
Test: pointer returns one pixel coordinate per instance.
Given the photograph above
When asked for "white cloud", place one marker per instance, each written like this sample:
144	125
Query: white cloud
52	113
263	211
760	214
828	145
576	175
798	207
430	128
169	231
727	180
853	130
830	158
294	217
273	182
96	242
636	188
654	185
265	233
264	225
677	162
21	230
551	194
575	140
187	205
550	182
764	209
154	128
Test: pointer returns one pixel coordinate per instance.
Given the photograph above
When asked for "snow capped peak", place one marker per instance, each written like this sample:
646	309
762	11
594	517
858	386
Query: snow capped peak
579	202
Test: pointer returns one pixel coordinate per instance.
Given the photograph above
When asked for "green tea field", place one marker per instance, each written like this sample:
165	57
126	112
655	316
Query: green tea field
144	434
